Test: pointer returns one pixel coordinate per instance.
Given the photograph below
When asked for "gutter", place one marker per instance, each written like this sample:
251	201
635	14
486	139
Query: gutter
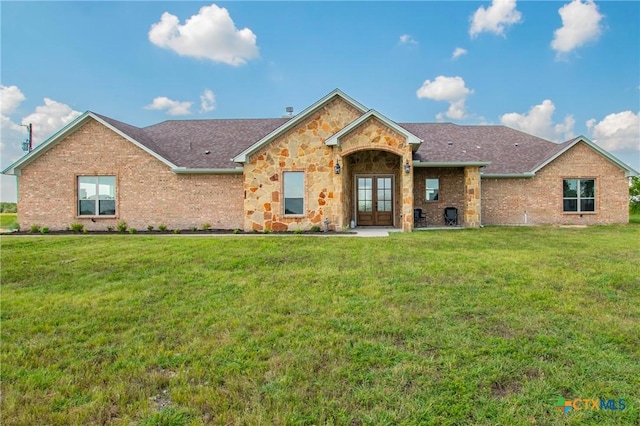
451	164
508	175
186	170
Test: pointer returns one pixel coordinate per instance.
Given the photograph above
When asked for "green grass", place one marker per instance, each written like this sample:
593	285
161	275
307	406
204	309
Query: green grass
485	326
634	217
8	220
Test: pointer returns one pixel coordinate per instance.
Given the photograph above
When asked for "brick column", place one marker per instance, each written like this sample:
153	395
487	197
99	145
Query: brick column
472	197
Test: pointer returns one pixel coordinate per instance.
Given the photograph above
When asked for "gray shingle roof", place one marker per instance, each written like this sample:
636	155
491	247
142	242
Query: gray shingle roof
509	151
185	143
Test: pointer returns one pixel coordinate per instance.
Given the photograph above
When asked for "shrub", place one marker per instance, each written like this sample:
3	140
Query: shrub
162	227
77	227
132	230
109	228
149	228
193	228
176	231
315	228
236	231
122	226
298	231
34	229
268	230
44	230
206	226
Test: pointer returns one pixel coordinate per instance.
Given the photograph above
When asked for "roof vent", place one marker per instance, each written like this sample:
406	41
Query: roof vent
449	143
207	152
516	144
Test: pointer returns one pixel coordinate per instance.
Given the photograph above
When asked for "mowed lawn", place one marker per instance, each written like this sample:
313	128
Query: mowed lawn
488	326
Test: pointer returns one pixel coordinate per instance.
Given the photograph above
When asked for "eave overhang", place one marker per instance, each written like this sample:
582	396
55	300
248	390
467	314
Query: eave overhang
450	163
196	171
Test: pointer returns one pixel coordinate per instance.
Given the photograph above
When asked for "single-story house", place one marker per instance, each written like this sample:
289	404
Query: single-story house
337	163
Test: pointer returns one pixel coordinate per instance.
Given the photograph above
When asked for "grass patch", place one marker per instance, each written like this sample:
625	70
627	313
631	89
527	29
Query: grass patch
634	217
485	326
8	220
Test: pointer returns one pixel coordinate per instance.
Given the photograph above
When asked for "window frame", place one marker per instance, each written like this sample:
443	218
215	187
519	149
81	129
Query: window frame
97	200
579	197
426	190
284	193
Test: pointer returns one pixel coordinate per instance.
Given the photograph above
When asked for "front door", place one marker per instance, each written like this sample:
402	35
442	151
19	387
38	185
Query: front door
374	200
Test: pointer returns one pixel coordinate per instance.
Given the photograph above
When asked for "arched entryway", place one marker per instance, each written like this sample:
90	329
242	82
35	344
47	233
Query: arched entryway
372	188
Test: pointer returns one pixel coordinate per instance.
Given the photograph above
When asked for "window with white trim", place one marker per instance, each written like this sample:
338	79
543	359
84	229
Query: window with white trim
293	189
578	195
96	195
432	189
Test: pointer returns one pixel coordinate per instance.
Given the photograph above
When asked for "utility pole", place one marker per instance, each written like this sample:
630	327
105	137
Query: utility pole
27	145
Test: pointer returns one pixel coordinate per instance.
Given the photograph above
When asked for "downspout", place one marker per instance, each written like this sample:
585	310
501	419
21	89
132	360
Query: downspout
480	199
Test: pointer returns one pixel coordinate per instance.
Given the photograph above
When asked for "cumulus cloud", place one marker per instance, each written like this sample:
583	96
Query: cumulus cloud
171	107
407	39
619	131
10	98
211	34
449	89
580	24
459	51
49	118
495	19
207	101
539	122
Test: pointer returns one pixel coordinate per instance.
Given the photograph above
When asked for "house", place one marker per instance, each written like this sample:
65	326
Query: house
337	162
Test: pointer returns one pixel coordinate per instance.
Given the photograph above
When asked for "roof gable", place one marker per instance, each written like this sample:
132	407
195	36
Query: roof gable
411	138
564	147
120	128
243	156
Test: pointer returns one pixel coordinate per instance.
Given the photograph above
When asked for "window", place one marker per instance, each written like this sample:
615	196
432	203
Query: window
293	183
96	195
579	195
433	189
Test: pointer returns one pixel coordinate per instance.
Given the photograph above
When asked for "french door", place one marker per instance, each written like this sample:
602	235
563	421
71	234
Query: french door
374	200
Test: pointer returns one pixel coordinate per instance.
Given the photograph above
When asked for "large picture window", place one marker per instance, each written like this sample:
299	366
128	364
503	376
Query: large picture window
579	195
433	189
293	183
96	195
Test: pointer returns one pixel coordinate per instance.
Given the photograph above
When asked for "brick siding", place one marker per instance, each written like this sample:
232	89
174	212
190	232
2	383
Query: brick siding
538	200
147	191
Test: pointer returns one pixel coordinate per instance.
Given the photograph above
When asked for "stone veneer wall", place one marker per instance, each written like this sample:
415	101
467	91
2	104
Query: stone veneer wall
472	189
451	193
538	200
147	191
301	148
375	135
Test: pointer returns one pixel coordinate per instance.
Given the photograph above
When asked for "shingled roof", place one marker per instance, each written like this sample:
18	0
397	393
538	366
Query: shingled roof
508	151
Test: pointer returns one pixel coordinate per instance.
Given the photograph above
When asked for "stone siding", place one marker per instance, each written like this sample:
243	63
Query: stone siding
147	191
538	200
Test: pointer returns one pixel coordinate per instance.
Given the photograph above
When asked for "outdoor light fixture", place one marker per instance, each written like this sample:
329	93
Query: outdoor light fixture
337	167
407	167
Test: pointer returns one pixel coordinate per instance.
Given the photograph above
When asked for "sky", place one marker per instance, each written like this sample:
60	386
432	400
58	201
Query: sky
555	69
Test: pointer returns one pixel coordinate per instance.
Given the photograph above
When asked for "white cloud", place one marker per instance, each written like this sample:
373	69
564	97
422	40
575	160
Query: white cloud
539	122
449	89
495	19
171	107
10	98
459	51
210	34
619	131
407	39
207	101
49	118
580	24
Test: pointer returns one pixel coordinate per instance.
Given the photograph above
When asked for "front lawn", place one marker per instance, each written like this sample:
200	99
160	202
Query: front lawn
487	326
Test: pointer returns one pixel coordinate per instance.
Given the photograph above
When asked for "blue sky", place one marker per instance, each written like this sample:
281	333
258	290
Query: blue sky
553	69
